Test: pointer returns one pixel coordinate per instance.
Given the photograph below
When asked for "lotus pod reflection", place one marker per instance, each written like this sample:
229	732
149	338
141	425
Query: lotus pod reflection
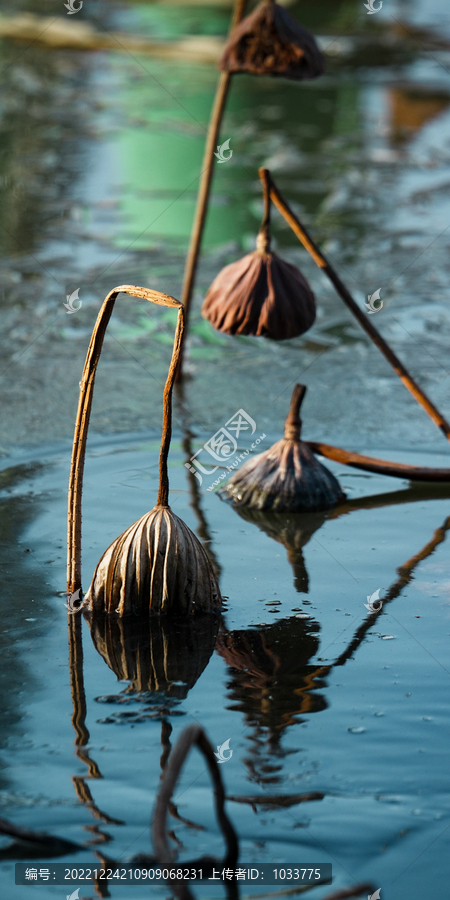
294	530
156	564
156	654
287	477
270	42
272	681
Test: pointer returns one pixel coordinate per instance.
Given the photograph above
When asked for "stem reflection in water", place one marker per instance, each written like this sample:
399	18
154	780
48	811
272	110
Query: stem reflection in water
273	683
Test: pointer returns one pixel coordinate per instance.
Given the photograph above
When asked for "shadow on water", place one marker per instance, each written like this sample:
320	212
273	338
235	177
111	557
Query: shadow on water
162	659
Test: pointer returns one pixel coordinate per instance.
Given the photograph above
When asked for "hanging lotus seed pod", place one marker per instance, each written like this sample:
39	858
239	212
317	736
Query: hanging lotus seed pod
270	42
261	294
157	565
287	477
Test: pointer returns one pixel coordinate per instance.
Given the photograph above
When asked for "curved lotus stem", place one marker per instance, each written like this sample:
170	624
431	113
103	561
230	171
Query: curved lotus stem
193	735
84	413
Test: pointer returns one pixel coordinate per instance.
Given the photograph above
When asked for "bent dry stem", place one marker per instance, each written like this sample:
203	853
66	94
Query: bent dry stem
320	260
84	413
193	735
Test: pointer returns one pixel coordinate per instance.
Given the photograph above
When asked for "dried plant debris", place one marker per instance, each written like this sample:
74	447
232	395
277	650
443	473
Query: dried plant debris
261	294
270	42
157	565
287	477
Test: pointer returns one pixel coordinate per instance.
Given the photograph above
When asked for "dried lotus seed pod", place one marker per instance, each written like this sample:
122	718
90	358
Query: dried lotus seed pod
261	294
287	477
270	42
158	564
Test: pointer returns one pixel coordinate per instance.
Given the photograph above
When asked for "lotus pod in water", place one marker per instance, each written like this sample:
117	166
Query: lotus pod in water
270	42
287	477
261	294
155	565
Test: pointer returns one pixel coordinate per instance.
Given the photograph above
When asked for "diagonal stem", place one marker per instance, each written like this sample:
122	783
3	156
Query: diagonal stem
381	466
320	260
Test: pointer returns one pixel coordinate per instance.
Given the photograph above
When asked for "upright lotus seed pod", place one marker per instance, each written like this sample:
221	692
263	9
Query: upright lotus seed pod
287	477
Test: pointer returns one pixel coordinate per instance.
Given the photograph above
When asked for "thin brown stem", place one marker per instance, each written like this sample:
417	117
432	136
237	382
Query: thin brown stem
320	260
263	239
84	413
201	209
381	466
163	492
293	423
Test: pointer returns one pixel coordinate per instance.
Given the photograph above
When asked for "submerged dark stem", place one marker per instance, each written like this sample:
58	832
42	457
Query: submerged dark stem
191	736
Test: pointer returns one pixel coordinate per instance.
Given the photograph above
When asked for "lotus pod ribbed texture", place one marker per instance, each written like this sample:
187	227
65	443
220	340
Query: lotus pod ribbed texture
270	42
158	566
286	478
260	295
